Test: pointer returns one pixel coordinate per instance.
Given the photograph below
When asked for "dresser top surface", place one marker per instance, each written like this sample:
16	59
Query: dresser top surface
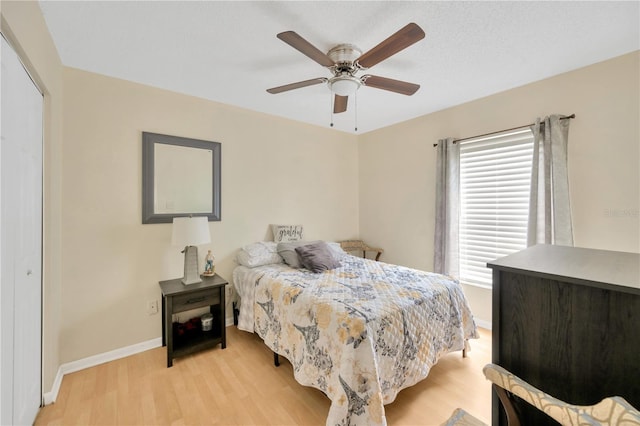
611	268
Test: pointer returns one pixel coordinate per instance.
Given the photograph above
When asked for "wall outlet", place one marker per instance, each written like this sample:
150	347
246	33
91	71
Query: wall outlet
152	307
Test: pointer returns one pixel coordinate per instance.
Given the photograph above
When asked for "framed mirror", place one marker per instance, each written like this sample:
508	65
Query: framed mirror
180	177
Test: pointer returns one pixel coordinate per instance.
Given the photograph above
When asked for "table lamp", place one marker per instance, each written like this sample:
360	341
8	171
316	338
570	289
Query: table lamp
188	232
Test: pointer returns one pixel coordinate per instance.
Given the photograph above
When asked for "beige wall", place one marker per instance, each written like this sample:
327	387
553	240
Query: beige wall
24	27
273	171
397	163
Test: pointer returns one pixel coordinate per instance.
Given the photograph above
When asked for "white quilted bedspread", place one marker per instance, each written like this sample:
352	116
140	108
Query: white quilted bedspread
359	333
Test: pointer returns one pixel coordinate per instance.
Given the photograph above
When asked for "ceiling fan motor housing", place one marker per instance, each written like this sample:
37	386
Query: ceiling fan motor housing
344	53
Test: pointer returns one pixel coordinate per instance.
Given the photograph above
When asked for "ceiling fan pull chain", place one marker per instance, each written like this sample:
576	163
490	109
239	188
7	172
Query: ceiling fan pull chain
356	109
331	109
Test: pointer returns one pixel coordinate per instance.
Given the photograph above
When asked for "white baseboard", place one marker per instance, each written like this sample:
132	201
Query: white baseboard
81	364
50	397
92	361
483	323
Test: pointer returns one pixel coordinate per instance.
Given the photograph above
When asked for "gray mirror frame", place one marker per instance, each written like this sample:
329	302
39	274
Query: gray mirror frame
149	140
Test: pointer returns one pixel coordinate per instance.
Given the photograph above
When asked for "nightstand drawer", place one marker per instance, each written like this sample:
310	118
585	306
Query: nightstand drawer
197	299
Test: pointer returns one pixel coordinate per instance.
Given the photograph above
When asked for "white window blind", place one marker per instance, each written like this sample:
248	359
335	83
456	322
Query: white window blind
495	176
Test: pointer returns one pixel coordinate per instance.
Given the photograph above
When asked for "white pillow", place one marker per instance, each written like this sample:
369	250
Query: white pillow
336	249
286	233
261	247
258	254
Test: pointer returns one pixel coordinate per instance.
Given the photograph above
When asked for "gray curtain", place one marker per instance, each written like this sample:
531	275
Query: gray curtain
447	199
549	207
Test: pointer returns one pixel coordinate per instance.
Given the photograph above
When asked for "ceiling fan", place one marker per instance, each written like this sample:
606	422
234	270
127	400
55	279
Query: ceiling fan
346	60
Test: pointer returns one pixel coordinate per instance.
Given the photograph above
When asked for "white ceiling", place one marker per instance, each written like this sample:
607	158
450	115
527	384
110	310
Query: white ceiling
227	51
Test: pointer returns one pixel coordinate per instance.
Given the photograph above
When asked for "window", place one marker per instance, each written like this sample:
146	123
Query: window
495	176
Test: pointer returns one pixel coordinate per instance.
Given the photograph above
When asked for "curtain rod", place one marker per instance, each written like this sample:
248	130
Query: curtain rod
505	130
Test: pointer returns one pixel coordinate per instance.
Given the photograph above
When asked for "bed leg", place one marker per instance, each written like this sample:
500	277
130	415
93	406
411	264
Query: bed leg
464	353
236	312
276	360
465	347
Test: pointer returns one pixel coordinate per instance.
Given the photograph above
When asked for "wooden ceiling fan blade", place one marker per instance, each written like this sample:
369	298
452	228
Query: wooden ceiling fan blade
398	41
297	85
390	84
302	45
340	104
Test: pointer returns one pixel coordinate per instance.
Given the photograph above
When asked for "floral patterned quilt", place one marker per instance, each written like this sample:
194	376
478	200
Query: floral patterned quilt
359	333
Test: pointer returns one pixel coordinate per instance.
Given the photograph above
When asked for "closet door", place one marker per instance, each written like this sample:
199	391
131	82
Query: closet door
21	250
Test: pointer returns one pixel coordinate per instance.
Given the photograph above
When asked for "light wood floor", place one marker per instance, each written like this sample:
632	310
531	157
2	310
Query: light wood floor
240	386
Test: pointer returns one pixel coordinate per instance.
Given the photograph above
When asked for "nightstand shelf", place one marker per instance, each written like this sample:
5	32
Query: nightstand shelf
199	341
176	298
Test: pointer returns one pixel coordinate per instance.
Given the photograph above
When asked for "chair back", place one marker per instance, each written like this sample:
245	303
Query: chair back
610	411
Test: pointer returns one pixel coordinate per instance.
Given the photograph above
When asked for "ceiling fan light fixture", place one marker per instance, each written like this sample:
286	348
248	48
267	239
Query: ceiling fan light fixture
344	85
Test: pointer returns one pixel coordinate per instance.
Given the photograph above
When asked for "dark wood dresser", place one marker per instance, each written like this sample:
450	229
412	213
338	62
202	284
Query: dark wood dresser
567	320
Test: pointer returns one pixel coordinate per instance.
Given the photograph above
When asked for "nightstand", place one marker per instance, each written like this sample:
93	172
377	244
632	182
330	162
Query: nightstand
177	297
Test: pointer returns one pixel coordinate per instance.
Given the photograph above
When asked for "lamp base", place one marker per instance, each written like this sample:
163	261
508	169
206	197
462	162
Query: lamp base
183	280
191	266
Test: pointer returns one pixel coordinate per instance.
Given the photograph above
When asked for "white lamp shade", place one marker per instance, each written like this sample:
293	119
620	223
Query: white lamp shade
190	231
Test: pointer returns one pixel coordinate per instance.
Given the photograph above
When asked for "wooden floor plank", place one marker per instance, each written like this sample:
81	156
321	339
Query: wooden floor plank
240	385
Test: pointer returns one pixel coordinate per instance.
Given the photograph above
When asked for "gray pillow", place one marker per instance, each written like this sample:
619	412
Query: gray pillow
288	252
317	257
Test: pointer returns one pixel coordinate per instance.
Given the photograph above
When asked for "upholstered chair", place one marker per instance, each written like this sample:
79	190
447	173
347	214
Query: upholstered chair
608	412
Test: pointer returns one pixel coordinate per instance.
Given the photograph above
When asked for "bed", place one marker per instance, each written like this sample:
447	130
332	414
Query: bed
360	332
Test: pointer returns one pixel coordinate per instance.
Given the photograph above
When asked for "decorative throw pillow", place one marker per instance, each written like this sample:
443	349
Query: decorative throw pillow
286	233
317	257
288	252
258	254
